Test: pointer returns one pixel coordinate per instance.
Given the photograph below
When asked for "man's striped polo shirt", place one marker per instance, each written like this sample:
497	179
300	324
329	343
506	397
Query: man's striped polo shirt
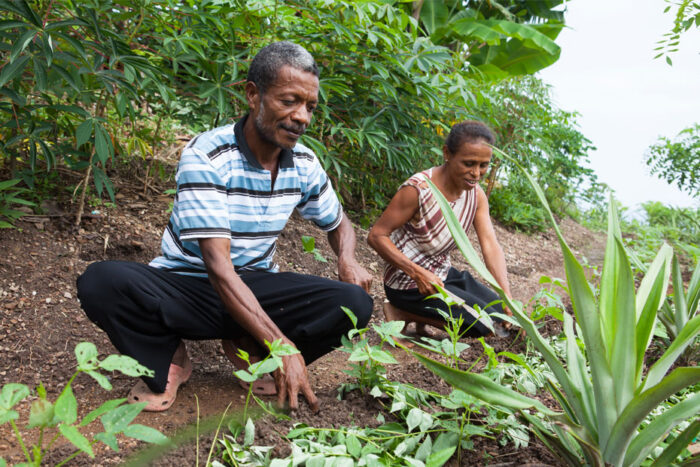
223	192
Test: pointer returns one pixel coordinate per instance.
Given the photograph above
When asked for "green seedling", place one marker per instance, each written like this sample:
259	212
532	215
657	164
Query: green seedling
309	244
60	418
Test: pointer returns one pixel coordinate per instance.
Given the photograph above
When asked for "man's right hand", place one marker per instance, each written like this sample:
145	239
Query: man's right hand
292	379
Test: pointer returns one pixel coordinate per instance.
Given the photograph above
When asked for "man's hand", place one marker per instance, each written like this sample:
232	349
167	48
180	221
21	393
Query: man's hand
291	379
352	273
425	280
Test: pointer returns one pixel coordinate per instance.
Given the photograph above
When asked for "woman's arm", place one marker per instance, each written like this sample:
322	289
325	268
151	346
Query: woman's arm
401	209
491	249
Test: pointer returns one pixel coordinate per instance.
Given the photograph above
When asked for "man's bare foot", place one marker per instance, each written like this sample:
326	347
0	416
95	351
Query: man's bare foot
265	386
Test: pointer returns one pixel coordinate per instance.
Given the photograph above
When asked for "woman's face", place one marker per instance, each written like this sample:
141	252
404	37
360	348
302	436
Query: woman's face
468	165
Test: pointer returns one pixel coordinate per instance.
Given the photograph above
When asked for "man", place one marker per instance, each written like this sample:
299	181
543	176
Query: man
237	187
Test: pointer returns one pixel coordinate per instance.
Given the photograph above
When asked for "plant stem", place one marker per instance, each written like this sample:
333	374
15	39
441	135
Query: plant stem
216	435
21	441
72	456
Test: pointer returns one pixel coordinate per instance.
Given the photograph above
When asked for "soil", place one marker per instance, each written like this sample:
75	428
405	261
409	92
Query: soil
41	322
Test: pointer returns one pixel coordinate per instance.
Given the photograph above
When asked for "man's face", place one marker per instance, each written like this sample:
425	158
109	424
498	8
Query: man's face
283	112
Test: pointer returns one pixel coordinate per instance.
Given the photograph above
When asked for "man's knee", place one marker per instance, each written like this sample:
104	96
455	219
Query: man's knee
359	302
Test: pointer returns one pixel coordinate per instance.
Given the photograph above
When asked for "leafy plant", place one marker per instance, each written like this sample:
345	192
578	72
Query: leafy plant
687	14
309	244
116	417
604	393
367	361
677	161
10	196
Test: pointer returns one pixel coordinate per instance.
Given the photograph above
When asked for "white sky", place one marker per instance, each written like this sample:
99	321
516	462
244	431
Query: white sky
626	98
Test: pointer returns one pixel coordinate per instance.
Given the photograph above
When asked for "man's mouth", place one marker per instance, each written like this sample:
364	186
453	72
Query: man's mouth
295	131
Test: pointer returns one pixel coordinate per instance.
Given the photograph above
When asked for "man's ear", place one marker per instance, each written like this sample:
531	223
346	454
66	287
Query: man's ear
252	94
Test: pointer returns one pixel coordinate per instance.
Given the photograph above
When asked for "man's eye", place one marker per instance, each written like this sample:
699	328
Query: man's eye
311	108
287	102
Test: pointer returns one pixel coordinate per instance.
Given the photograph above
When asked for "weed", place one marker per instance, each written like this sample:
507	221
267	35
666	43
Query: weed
309	244
116	417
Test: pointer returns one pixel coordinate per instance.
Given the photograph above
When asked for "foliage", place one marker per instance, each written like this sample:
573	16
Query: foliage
62	415
309	244
549	145
497	39
687	13
87	83
10	196
601	413
367	361
677	161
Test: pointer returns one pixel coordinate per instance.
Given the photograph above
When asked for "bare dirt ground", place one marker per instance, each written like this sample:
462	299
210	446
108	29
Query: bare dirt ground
41	322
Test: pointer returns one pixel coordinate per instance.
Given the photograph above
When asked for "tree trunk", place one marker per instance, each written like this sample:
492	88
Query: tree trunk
417	5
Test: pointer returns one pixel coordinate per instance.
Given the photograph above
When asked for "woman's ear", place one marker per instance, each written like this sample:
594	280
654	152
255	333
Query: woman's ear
446	153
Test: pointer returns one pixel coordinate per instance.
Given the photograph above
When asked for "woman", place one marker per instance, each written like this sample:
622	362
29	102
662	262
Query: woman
413	238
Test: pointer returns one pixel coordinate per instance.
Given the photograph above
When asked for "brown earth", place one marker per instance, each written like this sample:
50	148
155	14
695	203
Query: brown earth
41	322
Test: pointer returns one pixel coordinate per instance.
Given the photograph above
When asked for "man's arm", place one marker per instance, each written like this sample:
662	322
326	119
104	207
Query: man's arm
245	309
342	240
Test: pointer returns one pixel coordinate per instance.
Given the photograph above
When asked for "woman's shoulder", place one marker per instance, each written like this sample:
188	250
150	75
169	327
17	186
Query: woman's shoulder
418	179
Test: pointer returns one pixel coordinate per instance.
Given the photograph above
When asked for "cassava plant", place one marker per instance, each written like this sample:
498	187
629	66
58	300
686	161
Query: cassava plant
603	391
54	420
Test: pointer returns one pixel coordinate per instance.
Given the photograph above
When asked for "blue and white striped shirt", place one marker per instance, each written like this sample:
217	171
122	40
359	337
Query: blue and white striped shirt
223	192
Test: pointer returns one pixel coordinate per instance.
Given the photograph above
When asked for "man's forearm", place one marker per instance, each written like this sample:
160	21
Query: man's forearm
342	240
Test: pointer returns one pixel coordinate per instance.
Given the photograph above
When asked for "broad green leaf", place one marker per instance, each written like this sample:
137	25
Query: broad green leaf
482	387
86	354
249	436
145	433
21	44
83	132
109	439
639	408
685	338
12	70
7	415
245	376
125	364
437	459
658	428
66	408
353	445
580	378
40	414
381	356
434	15
101	379
12	393
117	420
72	434
350	315
103	144
102	409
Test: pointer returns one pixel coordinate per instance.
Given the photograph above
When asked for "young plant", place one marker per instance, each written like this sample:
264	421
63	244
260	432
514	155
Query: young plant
367	360
116	417
604	393
10	196
309	244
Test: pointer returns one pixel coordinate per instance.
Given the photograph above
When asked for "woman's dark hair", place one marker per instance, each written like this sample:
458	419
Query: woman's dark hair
468	131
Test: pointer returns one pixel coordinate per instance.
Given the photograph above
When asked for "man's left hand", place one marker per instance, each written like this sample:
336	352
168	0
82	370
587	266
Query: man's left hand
353	273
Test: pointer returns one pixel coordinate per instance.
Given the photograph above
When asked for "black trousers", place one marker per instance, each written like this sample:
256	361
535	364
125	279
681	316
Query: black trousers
145	311
460	283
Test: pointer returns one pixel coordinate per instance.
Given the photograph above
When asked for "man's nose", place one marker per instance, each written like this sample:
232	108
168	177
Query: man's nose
301	115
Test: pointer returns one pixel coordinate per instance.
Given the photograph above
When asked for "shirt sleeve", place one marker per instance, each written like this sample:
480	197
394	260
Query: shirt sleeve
202	205
319	201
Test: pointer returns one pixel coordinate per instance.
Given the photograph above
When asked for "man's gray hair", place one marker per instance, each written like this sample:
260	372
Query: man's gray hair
271	58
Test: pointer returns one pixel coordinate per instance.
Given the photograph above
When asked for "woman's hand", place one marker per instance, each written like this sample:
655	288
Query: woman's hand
425	280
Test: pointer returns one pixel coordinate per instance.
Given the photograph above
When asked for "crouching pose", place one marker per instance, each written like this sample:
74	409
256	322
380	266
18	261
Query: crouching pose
414	240
236	188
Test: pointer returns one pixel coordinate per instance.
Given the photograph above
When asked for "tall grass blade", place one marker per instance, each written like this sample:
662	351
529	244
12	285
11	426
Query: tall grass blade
483	388
609	280
686	337
694	291
584	305
680	305
580	377
674	449
647	439
622	364
650	297
636	411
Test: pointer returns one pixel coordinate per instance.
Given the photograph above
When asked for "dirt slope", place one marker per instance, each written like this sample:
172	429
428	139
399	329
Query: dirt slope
41	320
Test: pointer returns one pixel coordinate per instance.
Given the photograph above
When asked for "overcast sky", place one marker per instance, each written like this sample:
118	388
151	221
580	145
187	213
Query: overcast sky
626	98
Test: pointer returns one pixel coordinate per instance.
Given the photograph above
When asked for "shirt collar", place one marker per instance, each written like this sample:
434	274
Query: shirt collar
286	159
